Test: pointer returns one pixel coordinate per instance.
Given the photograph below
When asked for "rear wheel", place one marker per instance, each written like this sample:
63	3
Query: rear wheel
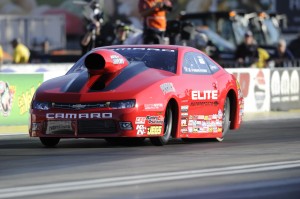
49	142
225	119
168	122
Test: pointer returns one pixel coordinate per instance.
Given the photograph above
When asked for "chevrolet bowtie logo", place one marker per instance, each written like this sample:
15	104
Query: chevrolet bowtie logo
78	106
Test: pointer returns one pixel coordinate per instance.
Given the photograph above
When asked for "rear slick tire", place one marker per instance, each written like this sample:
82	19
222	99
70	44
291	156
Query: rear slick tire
168	122
225	119
49	142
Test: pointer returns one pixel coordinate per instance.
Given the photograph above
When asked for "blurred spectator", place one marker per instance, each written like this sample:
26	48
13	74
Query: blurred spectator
263	58
247	52
21	53
92	38
294	47
282	54
201	41
121	32
155	20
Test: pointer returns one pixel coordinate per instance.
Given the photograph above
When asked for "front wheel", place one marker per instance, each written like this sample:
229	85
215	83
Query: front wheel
49	142
225	119
168	122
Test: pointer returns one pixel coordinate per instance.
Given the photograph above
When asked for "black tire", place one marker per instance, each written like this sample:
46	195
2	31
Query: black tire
125	141
225	119
168	122
49	142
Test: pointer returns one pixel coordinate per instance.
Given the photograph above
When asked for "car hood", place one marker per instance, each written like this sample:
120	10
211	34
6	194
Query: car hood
81	86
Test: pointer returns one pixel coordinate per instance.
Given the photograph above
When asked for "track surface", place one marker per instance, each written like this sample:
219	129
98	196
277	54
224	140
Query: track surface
261	160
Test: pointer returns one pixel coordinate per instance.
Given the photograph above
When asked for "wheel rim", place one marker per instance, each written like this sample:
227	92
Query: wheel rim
225	119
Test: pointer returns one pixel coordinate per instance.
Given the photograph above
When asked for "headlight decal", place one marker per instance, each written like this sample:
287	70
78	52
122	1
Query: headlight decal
122	104
41	105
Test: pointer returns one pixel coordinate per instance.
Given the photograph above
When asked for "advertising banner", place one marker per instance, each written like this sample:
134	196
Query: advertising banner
285	90
16	91
255	86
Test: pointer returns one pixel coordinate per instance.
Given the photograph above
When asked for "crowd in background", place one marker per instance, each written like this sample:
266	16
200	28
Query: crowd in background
154	16
21	53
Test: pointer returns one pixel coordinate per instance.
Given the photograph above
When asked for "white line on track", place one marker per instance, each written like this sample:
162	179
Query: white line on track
11	134
142	179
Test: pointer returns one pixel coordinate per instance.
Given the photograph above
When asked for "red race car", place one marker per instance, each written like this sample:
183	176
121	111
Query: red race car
129	93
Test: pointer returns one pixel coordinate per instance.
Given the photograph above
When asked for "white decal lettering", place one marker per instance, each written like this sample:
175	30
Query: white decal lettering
140	129
79	116
60	115
95	115
83	115
205	95
71	116
50	115
106	115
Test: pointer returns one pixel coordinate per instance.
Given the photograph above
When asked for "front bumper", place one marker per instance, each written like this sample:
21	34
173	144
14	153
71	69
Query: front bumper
113	123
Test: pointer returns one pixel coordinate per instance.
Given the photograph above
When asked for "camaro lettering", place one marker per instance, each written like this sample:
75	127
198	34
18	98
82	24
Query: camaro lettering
78	116
205	95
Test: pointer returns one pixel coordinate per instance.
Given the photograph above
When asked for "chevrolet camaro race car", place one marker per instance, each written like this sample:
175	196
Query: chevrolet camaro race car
130	93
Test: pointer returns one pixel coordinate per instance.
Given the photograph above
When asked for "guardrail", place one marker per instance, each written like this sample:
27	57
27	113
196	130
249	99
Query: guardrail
264	89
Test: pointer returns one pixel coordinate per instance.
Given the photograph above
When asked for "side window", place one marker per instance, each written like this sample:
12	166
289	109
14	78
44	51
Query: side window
212	65
194	63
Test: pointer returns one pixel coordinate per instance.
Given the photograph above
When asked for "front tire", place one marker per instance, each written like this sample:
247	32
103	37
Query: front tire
168	122
49	142
225	119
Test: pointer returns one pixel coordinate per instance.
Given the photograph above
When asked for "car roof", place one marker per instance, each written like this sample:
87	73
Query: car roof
171	47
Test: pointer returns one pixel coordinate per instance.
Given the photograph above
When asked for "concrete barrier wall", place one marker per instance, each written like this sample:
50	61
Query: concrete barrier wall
264	89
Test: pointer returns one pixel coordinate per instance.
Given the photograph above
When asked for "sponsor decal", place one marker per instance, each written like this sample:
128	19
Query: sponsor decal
116	59
184	115
184	122
184	130
153	106
78	115
205	95
167	88
194	70
155	119
201	60
240	93
154	130
54	126
184	108
140	129
215	103
220	114
140	120
203	123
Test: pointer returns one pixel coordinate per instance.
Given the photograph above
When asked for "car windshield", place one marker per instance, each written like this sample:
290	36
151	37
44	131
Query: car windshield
158	58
